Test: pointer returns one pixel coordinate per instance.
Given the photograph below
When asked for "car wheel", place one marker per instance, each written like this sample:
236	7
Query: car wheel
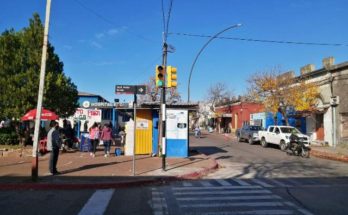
263	142
250	141
282	145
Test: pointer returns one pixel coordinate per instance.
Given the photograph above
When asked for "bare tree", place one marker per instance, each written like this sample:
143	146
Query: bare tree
218	93
153	93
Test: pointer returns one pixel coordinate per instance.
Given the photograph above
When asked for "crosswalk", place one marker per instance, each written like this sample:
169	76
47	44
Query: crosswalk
221	197
270	182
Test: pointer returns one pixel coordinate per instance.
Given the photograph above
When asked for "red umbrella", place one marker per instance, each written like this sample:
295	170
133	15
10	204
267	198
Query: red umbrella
45	115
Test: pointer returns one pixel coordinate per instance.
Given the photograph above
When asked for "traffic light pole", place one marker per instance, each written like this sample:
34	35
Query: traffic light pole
163	108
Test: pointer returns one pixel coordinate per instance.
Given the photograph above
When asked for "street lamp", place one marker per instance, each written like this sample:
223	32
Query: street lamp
201	50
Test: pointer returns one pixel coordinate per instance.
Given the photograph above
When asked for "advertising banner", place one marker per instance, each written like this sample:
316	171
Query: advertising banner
177	127
88	114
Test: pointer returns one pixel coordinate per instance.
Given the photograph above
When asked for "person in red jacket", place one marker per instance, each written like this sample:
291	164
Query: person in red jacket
106	137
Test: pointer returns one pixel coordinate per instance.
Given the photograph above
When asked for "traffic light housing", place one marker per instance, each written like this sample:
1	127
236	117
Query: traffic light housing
159	76
171	77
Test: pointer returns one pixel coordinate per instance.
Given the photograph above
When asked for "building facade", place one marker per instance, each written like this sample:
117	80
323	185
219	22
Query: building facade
330	120
232	116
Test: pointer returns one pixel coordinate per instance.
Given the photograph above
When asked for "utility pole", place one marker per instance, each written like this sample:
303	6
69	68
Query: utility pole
162	128
35	161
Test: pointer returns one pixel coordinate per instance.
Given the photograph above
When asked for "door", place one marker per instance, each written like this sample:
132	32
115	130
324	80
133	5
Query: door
144	132
320	126
276	136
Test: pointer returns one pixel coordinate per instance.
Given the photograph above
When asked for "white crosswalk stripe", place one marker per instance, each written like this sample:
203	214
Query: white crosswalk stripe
223	182
187	184
231	197
241	182
264	184
206	184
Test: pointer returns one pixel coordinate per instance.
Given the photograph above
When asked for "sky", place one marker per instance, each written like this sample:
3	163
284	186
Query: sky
114	42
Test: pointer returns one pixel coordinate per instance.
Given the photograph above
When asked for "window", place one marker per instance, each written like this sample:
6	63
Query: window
271	129
344	125
276	130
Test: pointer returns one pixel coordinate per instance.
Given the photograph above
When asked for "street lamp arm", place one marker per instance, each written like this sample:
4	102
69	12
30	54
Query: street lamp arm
199	53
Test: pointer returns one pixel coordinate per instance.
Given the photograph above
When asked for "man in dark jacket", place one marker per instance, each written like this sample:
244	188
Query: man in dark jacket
53	145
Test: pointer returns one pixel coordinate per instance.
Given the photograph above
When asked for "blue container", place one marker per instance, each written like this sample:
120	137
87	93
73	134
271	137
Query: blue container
85	144
118	152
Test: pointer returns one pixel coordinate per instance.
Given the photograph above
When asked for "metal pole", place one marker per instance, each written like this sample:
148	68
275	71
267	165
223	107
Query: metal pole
334	126
199	53
135	126
35	161
163	108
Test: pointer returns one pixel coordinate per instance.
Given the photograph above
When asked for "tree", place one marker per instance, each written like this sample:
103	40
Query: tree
153	93
20	61
281	92
218	93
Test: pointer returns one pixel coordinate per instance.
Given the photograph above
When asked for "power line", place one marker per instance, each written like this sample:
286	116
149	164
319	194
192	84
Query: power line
166	21
101	17
261	40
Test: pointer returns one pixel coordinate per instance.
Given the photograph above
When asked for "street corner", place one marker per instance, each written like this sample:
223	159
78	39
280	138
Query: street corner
210	166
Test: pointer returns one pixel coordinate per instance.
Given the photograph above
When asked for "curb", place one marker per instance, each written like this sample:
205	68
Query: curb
199	174
127	184
329	156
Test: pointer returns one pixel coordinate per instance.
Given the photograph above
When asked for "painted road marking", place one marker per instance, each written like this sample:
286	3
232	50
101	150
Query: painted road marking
234	204
241	182
223	182
219	188
206	184
222	192
264	184
97	203
222	198
250	212
187	184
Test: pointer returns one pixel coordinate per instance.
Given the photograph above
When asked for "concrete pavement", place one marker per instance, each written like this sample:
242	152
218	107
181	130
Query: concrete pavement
80	170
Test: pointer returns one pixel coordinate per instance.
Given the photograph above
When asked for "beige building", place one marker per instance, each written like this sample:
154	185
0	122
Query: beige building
330	121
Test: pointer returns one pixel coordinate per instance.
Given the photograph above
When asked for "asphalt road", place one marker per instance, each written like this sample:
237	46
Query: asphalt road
252	180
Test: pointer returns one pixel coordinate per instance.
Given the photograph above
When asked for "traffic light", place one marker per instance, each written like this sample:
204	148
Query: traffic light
171	76
159	76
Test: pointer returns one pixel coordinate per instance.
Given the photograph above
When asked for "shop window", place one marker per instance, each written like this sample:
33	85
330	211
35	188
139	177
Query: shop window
344	125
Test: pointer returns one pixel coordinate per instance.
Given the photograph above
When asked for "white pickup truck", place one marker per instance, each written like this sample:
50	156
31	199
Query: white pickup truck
279	135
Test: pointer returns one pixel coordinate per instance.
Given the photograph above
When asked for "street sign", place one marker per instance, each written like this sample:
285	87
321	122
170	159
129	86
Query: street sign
130	89
141	89
124	89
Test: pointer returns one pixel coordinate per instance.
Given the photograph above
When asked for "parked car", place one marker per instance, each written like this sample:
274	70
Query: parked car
280	135
249	133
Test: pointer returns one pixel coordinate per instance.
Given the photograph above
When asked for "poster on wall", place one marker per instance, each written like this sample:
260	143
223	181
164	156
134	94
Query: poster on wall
177	127
88	114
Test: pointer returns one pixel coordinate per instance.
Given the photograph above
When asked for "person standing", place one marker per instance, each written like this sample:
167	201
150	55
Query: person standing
53	145
94	137
106	137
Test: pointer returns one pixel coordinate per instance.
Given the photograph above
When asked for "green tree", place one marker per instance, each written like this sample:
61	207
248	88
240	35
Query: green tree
20	62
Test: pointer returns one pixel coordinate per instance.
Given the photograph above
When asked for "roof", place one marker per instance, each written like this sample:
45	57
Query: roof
80	94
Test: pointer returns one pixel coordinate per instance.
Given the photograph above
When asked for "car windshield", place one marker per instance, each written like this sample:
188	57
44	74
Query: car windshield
290	130
255	128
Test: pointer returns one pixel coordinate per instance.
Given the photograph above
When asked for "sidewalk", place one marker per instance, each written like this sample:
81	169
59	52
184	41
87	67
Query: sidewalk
80	170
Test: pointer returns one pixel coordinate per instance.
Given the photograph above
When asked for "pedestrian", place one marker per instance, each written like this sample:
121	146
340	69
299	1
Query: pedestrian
122	134
53	145
94	138
106	137
198	132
